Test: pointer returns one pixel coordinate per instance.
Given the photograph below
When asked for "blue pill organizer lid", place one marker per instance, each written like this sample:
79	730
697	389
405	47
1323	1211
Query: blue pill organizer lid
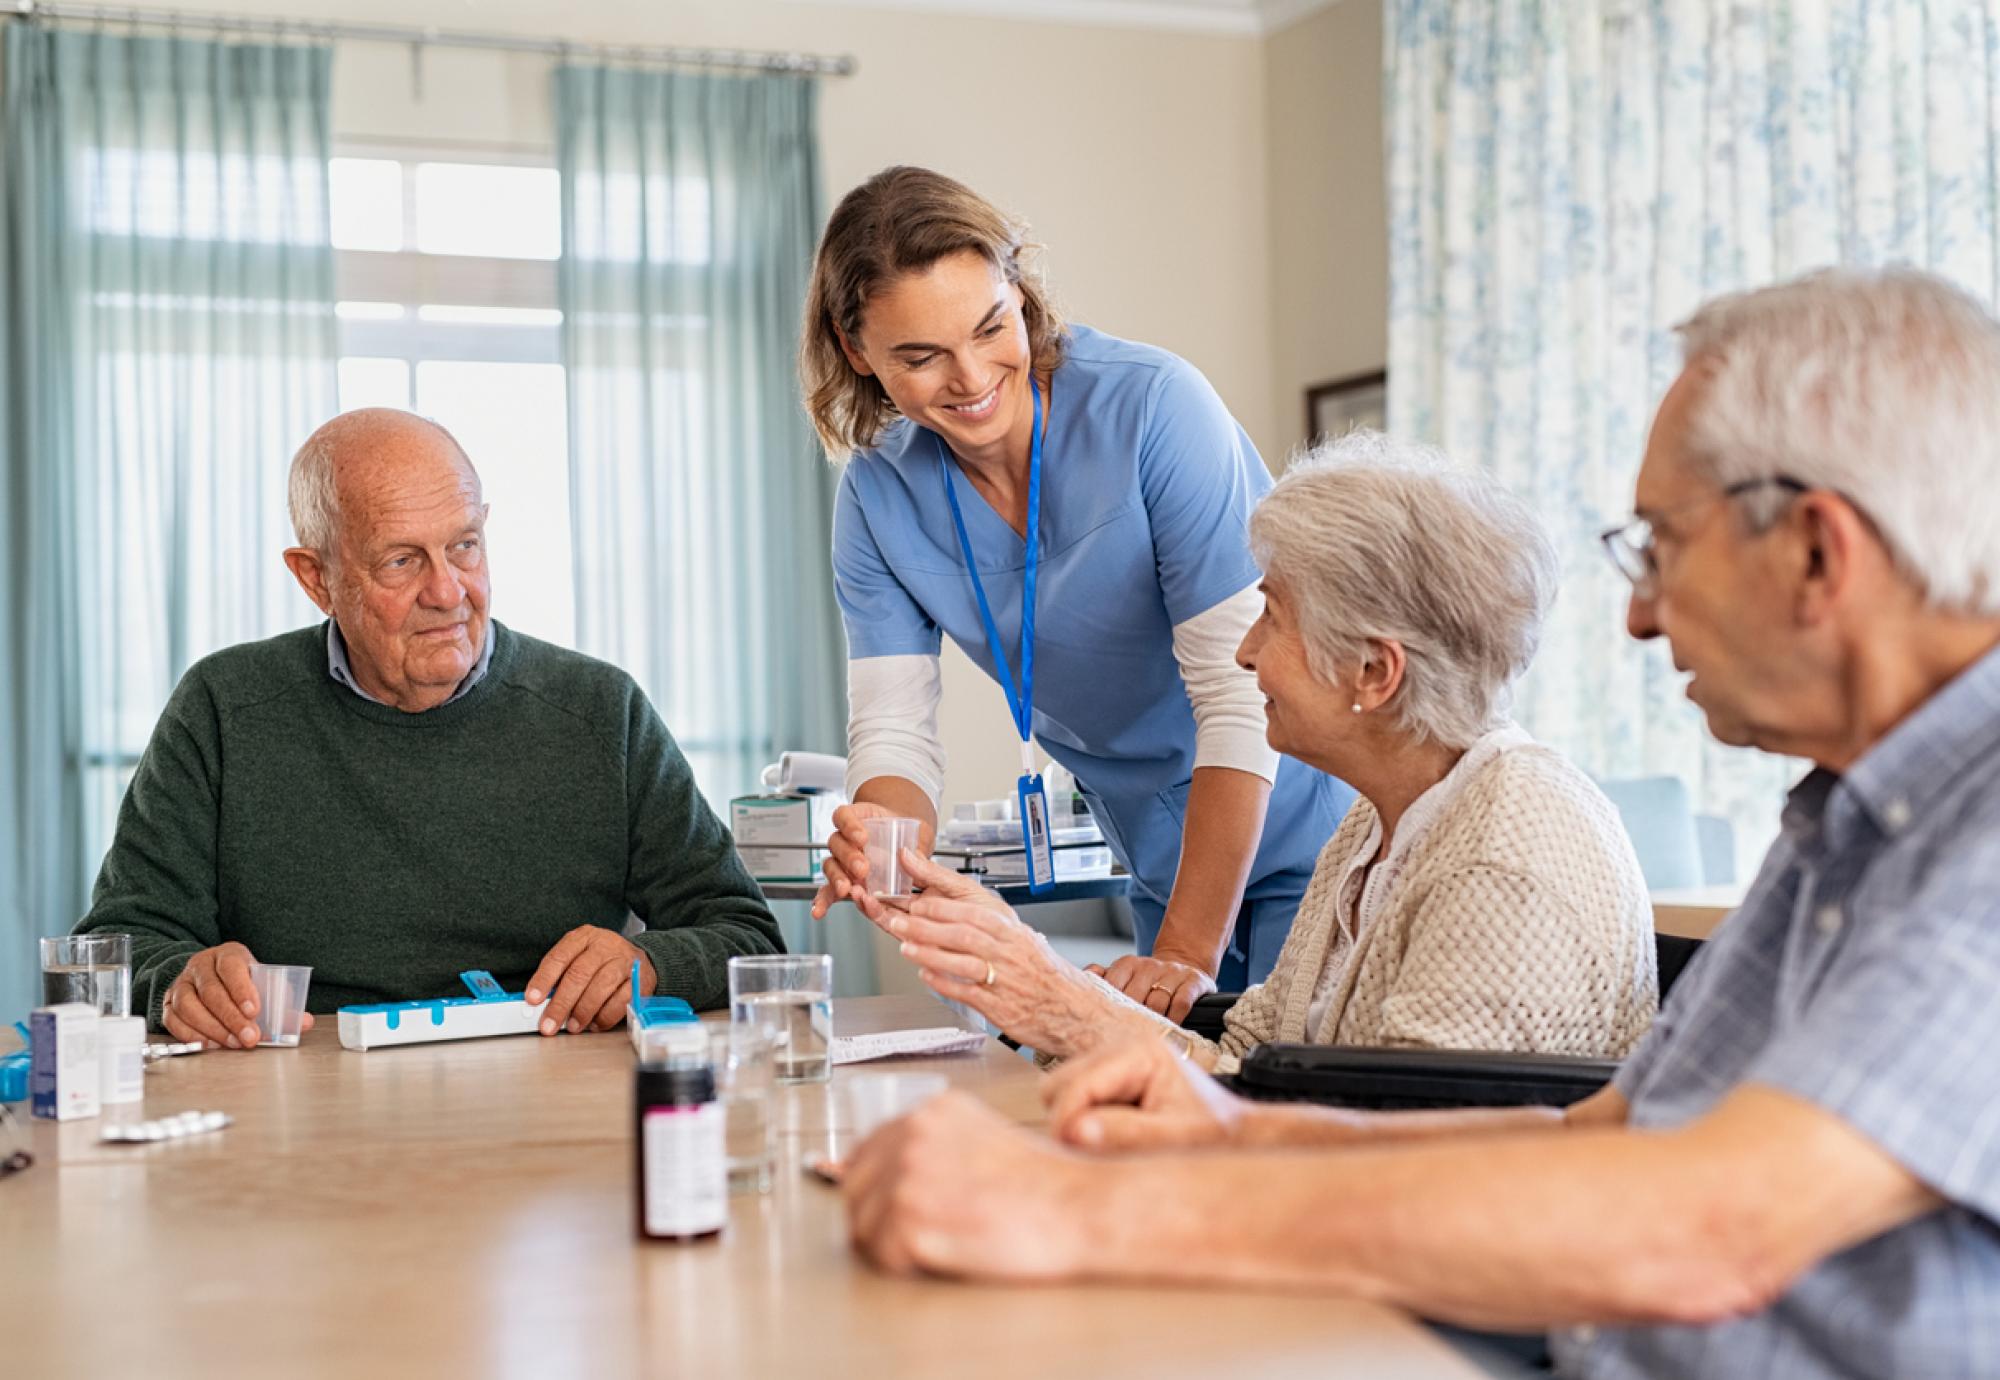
13	1078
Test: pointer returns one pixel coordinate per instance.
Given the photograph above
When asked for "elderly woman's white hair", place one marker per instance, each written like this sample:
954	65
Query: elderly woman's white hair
1379	539
1883	386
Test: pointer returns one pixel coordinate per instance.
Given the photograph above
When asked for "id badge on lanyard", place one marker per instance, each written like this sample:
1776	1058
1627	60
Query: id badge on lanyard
1032	795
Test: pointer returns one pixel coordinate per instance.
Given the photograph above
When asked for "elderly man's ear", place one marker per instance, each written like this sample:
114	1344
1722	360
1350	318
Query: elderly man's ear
1832	542
310	571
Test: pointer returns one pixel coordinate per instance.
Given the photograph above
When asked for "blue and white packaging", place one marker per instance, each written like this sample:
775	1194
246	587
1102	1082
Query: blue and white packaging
63	1078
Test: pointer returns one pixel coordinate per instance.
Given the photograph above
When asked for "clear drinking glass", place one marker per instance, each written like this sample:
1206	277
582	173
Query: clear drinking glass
95	969
741	1058
886	840
789	998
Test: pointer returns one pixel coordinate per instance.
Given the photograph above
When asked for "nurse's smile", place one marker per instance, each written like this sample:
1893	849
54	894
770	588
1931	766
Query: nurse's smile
980	408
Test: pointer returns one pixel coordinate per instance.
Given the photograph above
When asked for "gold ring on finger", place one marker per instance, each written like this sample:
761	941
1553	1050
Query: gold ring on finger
990	974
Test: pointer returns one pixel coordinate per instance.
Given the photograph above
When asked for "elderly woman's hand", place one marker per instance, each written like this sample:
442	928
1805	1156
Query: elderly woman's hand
956	1189
1139	1095
971	947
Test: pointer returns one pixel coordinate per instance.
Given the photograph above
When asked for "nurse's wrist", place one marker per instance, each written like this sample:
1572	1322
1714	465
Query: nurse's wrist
1169	953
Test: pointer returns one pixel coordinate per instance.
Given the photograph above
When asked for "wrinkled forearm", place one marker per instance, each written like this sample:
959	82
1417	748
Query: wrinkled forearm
1302	1126
1521	1230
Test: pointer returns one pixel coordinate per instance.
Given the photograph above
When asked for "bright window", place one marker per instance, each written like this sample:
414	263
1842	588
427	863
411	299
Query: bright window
446	276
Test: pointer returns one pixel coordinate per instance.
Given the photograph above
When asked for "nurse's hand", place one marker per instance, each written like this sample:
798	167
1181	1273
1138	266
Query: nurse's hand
969	946
1169	987
846	865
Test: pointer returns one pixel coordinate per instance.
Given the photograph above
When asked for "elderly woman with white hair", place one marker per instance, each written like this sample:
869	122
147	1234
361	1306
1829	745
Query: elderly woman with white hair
1481	893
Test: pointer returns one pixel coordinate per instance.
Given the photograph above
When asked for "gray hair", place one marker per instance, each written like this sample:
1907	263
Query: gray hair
1881	385
314	497
1378	539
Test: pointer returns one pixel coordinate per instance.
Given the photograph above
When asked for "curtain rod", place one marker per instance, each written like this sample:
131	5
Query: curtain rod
799	64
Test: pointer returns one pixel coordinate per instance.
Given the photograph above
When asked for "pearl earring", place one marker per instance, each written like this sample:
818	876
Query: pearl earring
1357	708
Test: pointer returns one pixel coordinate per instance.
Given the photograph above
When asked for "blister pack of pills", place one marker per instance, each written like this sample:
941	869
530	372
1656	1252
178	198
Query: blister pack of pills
167	1128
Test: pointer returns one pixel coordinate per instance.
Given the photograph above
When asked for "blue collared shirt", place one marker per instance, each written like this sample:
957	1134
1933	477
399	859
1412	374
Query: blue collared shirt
337	667
1862	974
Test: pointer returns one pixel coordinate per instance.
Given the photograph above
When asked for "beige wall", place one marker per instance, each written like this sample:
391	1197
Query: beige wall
1217	195
1329	258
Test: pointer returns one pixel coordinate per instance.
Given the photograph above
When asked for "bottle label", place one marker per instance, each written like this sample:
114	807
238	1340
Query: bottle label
687	1173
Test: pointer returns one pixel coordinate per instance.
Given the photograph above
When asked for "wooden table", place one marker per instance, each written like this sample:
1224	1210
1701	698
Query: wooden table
466	1209
1694	912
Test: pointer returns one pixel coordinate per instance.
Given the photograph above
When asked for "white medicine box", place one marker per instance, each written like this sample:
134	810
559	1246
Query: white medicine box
63	1073
800	822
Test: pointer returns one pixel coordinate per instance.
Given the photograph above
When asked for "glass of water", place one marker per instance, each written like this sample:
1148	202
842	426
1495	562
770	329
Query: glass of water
741	1058
95	969
789	999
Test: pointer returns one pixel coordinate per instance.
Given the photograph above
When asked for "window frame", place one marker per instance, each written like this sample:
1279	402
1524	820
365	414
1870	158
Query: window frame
411	278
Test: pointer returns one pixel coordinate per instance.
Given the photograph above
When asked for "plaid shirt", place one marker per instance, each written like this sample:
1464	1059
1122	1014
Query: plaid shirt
1862	974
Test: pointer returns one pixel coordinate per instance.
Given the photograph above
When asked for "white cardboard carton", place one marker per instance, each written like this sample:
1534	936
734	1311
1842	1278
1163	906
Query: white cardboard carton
63	1075
787	818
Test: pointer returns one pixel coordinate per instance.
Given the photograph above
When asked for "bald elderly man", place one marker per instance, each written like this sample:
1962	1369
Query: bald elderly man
410	789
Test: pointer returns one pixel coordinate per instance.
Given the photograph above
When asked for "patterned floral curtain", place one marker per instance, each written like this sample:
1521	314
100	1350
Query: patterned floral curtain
1570	178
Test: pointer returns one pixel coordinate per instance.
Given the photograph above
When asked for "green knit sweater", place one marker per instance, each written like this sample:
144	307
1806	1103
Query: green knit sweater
392	851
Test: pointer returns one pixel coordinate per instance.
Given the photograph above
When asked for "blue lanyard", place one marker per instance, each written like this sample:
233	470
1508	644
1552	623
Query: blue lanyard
1022	703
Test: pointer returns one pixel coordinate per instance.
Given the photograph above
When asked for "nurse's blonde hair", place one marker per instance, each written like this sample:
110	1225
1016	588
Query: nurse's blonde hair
902	220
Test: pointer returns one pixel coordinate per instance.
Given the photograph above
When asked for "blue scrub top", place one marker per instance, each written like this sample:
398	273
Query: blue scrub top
1147	488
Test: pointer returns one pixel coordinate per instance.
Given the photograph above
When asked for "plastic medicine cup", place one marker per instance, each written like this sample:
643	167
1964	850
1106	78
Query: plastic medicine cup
886	840
875	1099
281	1002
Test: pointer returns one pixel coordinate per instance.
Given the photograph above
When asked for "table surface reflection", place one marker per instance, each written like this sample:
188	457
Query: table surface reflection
467	1209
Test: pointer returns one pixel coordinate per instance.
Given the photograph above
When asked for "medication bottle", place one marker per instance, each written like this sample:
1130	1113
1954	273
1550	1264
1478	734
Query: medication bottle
678	1133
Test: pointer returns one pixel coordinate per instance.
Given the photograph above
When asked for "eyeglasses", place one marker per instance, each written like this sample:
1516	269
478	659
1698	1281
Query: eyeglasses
1633	546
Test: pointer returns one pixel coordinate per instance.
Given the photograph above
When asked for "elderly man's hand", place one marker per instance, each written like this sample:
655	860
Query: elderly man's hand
587	977
214	1001
971	947
956	1189
1139	1095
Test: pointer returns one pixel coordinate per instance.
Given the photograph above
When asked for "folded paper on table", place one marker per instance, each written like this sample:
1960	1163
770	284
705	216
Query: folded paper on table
898	1044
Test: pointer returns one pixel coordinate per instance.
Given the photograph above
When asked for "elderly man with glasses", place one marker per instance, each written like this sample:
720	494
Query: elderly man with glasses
1798	1171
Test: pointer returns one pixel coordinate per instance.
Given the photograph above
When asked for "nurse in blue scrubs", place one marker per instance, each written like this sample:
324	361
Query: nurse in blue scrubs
1071	510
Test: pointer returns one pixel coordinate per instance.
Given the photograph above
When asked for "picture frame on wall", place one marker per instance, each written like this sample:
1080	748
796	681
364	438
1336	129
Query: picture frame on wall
1339	406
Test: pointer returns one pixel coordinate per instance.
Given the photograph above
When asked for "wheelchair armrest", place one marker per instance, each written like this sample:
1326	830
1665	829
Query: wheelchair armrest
1204	1018
1397	1079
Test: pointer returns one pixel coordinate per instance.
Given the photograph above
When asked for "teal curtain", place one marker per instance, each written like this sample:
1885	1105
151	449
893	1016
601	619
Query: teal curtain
702	509
167	335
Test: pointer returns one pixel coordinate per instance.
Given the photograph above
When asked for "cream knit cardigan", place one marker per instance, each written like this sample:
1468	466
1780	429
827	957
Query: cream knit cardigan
1520	922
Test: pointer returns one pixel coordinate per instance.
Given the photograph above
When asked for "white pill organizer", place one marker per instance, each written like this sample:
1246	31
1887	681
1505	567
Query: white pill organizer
488	1011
